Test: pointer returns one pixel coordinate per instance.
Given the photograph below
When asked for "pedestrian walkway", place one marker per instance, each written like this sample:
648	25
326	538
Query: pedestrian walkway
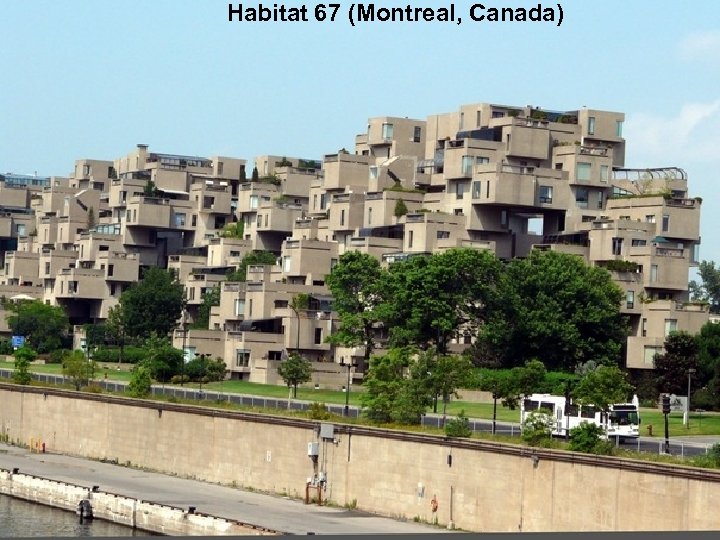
273	512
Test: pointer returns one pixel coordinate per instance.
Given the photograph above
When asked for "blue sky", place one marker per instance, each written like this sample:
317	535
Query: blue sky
89	79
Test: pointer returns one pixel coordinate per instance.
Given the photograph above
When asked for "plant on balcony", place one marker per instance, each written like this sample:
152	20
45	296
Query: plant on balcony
621	266
284	162
400	208
150	190
255	175
251	259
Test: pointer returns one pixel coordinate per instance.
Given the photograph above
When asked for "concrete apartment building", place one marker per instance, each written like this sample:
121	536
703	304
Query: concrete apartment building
501	178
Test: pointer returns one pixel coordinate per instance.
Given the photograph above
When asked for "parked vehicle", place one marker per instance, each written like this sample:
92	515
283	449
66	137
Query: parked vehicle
622	421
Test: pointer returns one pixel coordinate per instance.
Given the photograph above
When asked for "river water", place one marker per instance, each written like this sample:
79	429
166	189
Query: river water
20	518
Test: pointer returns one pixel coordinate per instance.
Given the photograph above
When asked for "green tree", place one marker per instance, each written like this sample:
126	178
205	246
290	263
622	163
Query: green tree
90	218
203	369
386	385
357	286
603	387
43	326
708	373
400	208
708	290
140	384
153	304
431	298
451	372
163	361
557	309
295	371
255	175
115	329
78	368
210	298
673	366
23	356
299	302
253	258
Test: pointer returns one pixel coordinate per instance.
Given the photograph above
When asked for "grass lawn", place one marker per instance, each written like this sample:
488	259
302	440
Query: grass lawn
700	423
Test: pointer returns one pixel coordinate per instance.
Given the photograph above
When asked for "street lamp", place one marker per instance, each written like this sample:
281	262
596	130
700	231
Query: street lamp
691	371
348	365
183	322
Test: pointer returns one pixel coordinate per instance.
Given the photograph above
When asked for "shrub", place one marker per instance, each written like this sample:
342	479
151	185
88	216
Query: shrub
588	438
458	426
318	411
6	346
56	356
140	382
536	429
131	355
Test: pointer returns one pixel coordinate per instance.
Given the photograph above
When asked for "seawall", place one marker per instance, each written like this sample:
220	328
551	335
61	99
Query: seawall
143	515
479	486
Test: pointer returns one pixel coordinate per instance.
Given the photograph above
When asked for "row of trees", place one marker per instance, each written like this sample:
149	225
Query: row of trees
550	306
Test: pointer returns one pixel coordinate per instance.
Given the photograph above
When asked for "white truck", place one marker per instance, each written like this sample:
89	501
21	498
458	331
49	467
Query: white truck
622	422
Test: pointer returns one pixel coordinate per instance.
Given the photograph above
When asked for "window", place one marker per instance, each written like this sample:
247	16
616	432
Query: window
180	220
618	128
254	200
591	125
191	293
318	336
459	191
287	262
670	326
666	223
258	220
369	216
417	132
617	244
315	201
649	356
47	268
342	217
476	189
239	307
643	327
467	163
387	131
443	234
638	242
20	229
650	218
630	299
111	269
411	235
546	194
582	171
653	273
581	197
600	200
323	201
113	288
103	247
373	173
266	220
193	220
604	173
242	358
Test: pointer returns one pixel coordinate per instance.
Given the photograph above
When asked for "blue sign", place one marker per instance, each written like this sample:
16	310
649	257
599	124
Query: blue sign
18	341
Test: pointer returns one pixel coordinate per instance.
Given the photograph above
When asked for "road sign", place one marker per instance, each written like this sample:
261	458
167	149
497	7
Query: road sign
18	341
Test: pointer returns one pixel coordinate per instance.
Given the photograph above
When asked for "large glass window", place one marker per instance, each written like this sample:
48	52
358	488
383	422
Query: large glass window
582	171
467	163
387	131
670	326
581	197
591	125
546	194
618	128
604	173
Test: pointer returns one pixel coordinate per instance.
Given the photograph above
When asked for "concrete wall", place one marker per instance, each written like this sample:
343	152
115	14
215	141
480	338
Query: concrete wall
480	486
144	515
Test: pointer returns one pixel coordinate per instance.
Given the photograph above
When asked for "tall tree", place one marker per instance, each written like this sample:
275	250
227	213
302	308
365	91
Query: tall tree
162	360
673	366
603	387
358	290
78	368
558	310
295	371
431	298
210	298
708	289
299	302
388	397
115	329
153	304
43	326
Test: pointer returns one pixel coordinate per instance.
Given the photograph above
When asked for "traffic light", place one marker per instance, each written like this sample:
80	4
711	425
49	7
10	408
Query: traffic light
666	404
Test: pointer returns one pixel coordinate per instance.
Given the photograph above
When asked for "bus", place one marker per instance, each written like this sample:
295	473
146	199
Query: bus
622	422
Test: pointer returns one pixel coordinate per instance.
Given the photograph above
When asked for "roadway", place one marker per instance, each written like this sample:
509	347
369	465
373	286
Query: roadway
277	513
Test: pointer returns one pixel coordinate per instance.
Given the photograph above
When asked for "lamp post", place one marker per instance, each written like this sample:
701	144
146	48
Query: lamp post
691	371
346	411
184	331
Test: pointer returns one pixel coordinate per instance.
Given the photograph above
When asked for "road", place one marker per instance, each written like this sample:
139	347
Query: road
274	512
679	446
